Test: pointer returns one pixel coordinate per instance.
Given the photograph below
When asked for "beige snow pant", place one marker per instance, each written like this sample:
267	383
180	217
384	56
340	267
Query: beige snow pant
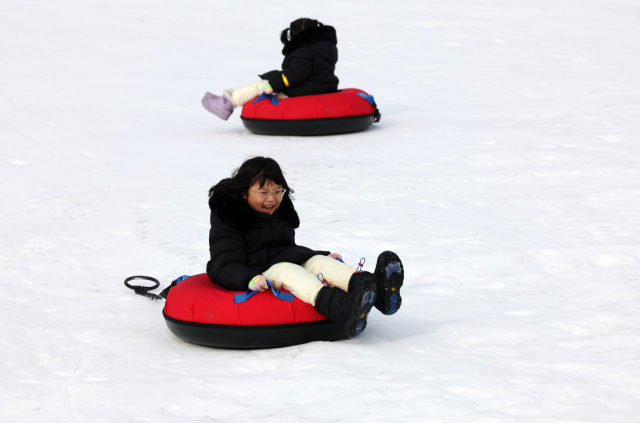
243	95
302	280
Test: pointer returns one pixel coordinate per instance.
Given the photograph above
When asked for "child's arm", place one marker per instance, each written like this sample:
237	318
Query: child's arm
228	266
296	72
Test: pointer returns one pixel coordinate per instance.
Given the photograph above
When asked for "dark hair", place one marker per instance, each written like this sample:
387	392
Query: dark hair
256	169
297	27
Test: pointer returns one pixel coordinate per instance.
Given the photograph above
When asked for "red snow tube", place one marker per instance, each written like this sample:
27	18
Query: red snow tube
200	312
348	110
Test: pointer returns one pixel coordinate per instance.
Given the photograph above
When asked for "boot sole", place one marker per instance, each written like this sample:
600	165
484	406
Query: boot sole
390	273
357	322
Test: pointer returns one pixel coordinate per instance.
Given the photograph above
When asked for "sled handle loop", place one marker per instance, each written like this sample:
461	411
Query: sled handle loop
144	290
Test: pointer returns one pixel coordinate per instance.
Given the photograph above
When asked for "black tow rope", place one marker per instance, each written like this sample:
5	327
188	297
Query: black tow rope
143	290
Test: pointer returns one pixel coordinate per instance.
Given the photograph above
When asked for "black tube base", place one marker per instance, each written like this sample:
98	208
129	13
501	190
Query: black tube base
254	337
309	127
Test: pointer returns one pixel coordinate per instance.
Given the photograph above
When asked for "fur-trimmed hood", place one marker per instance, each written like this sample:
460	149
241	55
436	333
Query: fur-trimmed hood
238	214
310	36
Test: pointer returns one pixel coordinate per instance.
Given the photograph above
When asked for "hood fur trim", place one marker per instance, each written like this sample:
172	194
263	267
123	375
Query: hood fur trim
310	36
238	214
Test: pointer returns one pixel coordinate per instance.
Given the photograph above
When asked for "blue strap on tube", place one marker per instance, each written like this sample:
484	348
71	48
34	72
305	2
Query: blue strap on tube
180	279
264	96
279	294
369	98
241	298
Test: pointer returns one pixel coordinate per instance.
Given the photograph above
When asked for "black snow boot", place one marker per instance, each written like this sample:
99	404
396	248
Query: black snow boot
357	278
349	309
389	275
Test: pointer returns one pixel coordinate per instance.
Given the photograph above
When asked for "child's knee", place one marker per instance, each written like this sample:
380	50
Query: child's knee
282	271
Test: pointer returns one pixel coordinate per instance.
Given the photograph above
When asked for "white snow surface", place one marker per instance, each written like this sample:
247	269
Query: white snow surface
505	172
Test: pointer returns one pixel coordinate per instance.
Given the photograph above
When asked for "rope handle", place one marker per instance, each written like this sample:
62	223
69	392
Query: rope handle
143	290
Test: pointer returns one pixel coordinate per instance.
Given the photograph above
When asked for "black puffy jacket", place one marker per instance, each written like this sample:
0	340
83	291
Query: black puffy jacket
309	64
244	242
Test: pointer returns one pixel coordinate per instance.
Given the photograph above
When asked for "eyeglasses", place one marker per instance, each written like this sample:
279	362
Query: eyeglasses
277	193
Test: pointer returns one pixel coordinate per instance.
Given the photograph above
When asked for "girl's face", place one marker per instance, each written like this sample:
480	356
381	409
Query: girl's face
258	200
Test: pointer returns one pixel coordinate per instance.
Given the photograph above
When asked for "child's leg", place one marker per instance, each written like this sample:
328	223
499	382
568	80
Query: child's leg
334	271
243	95
295	279
348	309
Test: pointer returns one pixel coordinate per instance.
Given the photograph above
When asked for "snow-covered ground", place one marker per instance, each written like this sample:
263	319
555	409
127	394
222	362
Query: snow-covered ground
505	172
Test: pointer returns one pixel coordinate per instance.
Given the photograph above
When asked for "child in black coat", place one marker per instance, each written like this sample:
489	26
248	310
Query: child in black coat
311	53
252	239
